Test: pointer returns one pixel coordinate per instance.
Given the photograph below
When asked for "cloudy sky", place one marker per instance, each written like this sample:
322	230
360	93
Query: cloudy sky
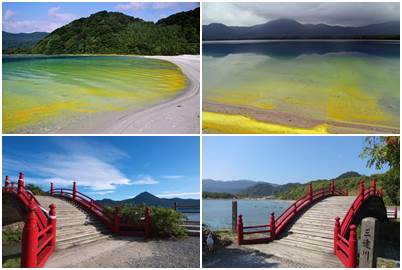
346	14
282	160
107	167
45	17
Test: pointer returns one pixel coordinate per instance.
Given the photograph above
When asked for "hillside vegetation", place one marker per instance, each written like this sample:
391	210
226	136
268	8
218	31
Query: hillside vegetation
116	33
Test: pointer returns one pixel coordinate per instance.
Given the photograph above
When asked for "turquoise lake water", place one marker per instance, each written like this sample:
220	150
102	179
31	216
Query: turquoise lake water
217	214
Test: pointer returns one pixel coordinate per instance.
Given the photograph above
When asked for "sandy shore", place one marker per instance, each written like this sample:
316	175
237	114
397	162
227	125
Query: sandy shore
292	120
180	115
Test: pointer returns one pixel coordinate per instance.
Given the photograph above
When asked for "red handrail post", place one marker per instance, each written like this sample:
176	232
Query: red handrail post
7	183
52	214
51	189
272	226
361	188
74	190
374	185
346	193
240	230
310	192
147	223
332	187
29	246
116	220
396	212
21	185
336	234
352	247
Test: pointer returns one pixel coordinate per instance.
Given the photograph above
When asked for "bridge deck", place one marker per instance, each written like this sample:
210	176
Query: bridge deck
309	240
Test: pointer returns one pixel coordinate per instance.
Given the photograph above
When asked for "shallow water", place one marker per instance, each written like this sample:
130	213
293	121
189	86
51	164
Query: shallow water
48	91
217	214
343	81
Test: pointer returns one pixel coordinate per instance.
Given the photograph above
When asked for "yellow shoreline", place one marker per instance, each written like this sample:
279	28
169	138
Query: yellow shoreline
225	123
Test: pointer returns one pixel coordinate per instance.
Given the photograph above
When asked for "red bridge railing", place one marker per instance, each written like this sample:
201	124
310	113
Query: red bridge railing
111	220
277	225
345	239
39	233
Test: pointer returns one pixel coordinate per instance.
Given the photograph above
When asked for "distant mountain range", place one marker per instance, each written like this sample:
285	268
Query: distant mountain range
22	40
291	29
150	200
248	188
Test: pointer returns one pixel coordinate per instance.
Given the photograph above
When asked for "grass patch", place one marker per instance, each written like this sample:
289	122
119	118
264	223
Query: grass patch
12	262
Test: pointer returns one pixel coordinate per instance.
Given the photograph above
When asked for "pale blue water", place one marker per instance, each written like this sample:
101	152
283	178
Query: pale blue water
217	214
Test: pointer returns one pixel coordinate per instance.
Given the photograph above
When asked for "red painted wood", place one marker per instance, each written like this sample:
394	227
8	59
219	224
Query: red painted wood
38	239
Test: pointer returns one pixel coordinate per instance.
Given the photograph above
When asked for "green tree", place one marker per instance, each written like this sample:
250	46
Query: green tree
384	151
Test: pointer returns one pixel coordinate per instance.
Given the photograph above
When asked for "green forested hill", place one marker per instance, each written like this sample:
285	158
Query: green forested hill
349	183
116	33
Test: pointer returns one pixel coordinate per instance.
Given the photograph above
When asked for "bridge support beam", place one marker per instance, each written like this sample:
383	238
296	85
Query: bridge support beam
147	223
336	234
52	222
240	230
310	192
74	190
272	226
30	241
7	184
352	247
116	220
21	184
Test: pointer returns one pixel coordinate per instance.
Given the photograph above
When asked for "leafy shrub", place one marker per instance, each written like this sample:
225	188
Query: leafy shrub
165	222
36	190
11	235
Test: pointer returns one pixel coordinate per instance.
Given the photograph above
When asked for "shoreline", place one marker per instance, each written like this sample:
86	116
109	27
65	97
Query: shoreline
177	115
280	119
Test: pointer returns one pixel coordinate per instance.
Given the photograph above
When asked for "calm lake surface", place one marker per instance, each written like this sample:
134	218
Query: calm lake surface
343	81
217	214
40	93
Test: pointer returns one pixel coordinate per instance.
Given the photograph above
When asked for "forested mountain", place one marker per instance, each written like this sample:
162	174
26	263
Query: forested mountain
291	29
291	191
21	40
116	33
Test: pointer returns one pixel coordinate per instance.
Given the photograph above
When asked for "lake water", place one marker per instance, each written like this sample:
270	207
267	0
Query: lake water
217	214
40	93
342	81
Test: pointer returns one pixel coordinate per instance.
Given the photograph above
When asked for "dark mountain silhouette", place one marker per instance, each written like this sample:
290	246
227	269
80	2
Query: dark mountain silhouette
22	40
150	200
291	29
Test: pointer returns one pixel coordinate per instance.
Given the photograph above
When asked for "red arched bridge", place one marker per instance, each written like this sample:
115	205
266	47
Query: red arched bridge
80	220
319	227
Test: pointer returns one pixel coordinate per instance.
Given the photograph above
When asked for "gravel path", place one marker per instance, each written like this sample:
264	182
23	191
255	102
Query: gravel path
130	253
240	257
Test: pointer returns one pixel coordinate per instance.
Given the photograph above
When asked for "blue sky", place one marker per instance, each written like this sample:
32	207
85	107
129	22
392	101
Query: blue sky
107	167
282	159
47	16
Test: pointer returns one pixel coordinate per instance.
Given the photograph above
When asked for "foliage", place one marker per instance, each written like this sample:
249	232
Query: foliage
165	222
11	235
385	151
115	33
36	190
14	262
217	195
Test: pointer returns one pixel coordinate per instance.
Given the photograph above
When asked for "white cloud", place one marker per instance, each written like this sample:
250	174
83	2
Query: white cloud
180	195
172	176
84	165
132	6
9	13
103	192
146	180
64	17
